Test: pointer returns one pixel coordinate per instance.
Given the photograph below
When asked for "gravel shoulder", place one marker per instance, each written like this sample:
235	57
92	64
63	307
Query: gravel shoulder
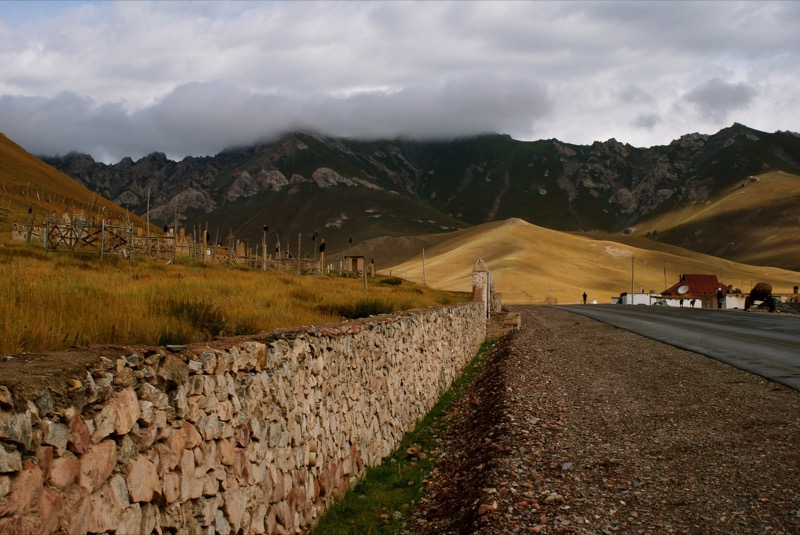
575	426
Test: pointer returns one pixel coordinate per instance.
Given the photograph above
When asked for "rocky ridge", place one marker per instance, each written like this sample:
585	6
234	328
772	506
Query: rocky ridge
607	185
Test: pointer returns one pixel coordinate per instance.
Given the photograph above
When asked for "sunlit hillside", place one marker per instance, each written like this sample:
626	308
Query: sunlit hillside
755	222
531	264
26	181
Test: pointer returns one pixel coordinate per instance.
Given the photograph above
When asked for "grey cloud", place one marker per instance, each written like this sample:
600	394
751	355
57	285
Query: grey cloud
202	119
65	122
717	99
128	78
647	121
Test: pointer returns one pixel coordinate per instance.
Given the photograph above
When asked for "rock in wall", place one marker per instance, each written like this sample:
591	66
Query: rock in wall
250	435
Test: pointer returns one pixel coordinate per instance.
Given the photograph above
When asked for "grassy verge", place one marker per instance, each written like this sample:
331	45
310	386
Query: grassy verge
53	301
383	499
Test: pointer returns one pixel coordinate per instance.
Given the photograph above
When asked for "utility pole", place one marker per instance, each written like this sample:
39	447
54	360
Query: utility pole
633	258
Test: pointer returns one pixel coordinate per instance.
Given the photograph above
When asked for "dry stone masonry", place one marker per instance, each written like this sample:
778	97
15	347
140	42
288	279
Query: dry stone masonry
253	435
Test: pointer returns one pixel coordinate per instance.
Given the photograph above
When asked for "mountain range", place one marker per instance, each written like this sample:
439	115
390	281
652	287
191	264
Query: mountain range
714	194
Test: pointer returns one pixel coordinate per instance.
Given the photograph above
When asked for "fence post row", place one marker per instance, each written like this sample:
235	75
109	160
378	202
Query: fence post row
104	238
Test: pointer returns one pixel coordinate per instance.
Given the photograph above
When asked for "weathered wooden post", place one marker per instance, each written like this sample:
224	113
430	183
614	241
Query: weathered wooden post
230	247
299	242
264	249
314	247
480	284
31	215
322	257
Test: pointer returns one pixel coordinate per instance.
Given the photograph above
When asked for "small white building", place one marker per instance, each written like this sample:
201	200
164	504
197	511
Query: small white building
637	299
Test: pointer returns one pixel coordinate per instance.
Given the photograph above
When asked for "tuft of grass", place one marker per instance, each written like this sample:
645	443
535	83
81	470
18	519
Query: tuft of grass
395	487
201	314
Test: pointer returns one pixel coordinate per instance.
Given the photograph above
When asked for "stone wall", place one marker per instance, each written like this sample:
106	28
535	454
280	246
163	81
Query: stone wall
252	435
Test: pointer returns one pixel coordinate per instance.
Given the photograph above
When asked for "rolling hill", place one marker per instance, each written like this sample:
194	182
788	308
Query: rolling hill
29	182
754	222
531	264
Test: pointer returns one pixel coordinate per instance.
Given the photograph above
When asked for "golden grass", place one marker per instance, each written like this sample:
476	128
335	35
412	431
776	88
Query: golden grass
54	301
27	181
755	224
531	264
769	188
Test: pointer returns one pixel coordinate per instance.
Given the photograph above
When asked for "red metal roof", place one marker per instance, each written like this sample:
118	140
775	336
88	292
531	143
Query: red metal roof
697	285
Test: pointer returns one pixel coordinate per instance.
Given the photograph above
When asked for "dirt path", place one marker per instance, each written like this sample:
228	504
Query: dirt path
579	427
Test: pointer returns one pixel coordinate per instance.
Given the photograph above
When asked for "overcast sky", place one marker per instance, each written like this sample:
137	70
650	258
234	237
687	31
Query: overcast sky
128	78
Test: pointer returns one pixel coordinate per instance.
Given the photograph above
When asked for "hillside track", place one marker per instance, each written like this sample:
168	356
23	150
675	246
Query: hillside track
575	426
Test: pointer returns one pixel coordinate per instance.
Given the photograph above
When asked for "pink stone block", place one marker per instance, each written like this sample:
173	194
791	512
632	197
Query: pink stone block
142	480
97	464
64	471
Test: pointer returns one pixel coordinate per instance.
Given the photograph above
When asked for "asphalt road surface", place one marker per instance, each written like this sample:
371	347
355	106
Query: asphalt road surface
767	345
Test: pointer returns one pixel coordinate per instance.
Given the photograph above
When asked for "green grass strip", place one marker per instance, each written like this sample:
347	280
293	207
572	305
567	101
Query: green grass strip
383	499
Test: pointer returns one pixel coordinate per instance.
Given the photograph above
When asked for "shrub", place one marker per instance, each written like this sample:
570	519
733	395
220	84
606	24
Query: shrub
391	281
201	314
361	308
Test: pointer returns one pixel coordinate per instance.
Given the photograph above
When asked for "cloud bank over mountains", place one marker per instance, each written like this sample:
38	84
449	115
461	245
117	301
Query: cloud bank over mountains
129	78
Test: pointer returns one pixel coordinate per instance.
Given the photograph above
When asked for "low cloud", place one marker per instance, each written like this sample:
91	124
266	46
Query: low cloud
716	99
204	118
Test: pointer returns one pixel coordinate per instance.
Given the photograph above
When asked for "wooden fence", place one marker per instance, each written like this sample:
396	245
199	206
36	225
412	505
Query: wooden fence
116	240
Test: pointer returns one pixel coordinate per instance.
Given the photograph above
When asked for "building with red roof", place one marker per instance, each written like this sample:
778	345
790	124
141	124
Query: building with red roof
699	291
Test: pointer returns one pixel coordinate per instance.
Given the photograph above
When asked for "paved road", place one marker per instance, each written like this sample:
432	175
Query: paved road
763	344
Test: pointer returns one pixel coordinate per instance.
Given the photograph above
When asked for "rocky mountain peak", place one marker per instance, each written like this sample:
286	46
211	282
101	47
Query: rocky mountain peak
606	185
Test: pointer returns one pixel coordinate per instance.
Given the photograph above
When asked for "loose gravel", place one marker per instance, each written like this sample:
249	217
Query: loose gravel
575	426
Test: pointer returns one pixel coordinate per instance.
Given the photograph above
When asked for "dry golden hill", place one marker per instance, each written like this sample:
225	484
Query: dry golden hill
531	264
755	222
27	181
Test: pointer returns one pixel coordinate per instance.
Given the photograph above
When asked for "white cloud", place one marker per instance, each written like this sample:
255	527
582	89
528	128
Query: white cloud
127	78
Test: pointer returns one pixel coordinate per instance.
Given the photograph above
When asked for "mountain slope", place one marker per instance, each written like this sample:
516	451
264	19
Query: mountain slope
756	222
29	182
606	186
534	264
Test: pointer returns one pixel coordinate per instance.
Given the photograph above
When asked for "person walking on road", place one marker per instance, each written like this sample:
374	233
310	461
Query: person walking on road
584	298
